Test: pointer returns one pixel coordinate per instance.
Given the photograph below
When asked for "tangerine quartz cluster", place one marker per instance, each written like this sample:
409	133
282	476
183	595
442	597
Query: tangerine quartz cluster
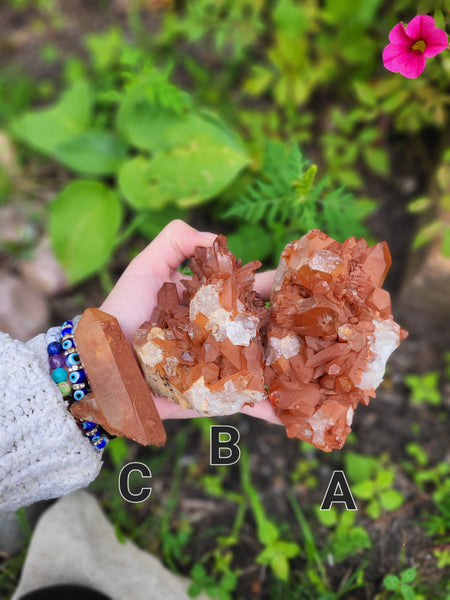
207	353
330	334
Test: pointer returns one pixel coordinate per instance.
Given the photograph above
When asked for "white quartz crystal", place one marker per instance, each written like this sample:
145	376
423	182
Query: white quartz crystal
150	352
240	330
325	261
383	342
288	346
227	401
320	422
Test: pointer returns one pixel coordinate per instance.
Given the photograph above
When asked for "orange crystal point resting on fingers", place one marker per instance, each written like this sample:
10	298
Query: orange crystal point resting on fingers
330	334
120	400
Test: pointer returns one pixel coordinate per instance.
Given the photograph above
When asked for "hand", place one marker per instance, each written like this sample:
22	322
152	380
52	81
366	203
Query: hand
135	295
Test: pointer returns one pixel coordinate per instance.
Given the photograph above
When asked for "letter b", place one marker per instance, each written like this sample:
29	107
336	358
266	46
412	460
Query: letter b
224	452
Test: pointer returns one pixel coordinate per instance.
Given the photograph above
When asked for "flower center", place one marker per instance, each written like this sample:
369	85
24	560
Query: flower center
419	45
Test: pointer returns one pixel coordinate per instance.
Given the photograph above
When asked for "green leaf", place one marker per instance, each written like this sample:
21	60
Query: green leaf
445	244
92	153
359	467
384	478
84	221
408	575
407	591
327	517
47	129
152	222
391	499
104	48
195	156
374	509
419	205
364	489
427	233
138	185
259	80
118	450
250	242
377	159
391	582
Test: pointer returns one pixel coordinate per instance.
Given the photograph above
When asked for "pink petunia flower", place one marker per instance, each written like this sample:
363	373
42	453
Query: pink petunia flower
411	45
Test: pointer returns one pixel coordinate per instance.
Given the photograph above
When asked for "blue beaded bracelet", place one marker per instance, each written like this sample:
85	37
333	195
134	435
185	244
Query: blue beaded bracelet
67	371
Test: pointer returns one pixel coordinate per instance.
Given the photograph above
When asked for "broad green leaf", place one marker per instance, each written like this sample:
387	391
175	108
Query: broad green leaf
189	175
427	233
391	582
419	205
195	156
153	221
137	184
407	591
377	159
408	575
373	509
84	221
92	153
365	93
364	489
47	129
385	478
391	499
327	517
358	467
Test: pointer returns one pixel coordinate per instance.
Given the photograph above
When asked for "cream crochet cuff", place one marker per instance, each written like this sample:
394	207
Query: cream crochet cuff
43	454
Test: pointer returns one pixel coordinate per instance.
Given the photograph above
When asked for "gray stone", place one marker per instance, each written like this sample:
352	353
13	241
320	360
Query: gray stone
23	310
43	271
74	543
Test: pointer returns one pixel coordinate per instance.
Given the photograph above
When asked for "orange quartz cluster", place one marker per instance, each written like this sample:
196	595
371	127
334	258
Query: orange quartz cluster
207	353
327	311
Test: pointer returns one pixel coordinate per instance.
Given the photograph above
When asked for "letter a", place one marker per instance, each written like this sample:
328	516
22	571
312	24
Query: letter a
338	491
224	452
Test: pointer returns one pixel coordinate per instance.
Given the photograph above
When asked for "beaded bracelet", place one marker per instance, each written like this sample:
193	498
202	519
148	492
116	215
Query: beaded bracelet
67	371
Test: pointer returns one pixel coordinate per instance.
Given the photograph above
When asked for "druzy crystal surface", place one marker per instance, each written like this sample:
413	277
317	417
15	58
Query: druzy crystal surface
206	352
120	400
330	334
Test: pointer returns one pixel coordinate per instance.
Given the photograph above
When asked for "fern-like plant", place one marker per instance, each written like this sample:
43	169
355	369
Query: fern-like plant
286	199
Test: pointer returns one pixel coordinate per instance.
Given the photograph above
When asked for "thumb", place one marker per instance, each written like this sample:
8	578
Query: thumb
175	243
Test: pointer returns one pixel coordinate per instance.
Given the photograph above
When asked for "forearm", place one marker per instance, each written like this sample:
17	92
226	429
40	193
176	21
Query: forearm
43	454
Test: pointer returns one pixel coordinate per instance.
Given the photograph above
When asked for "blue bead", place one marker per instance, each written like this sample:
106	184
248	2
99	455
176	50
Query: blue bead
77	377
78	394
67	323
101	443
68	344
54	348
87	425
59	375
66	331
73	359
96	438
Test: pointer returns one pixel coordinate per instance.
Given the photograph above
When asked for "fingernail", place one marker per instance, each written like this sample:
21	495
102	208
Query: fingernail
208	234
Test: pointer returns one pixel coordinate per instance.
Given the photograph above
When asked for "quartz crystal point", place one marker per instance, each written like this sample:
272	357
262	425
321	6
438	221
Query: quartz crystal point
330	334
206	353
120	400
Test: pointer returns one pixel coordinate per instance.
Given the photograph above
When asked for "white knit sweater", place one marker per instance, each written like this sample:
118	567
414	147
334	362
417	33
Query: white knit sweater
43	454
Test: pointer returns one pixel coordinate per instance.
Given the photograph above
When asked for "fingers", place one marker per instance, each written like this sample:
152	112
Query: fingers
167	251
263	410
263	283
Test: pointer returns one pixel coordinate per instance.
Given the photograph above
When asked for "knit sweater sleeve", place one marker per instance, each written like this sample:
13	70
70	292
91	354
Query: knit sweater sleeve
43	454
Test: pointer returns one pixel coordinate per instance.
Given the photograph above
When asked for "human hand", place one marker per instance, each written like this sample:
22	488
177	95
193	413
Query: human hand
135	295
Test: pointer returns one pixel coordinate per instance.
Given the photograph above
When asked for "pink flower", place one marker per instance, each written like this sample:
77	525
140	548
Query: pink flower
411	46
